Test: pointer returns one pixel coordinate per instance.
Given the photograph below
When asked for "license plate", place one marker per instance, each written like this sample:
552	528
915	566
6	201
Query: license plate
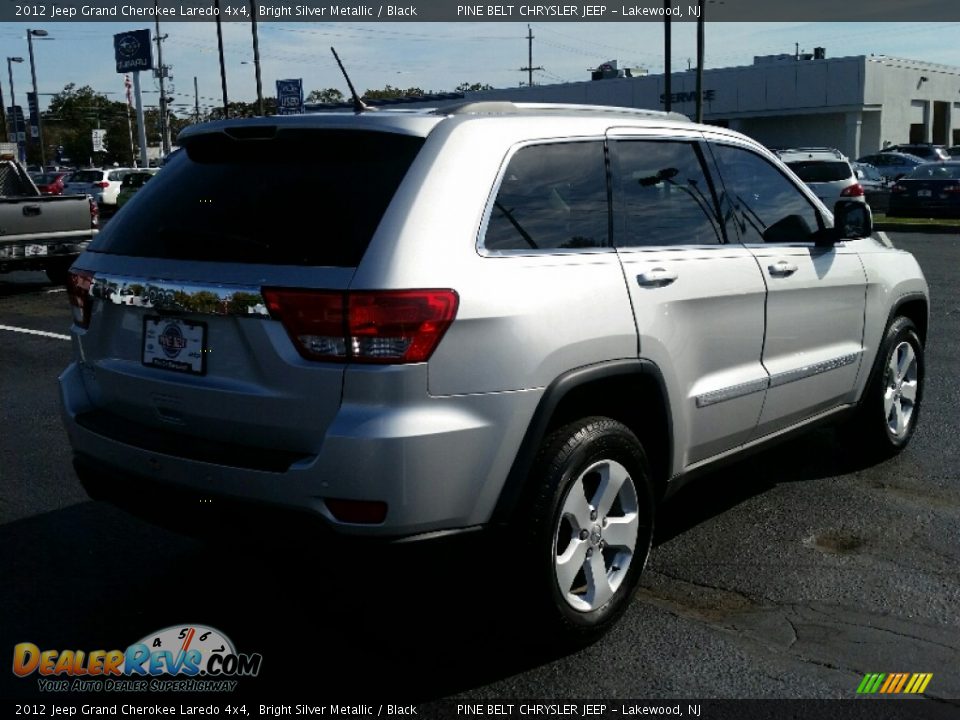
175	344
34	250
924	193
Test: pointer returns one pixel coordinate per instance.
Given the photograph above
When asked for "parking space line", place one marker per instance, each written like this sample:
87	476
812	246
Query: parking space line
28	331
55	290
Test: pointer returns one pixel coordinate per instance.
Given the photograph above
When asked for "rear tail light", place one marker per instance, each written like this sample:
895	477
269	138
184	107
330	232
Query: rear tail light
94	212
952	189
897	188
855	190
101	184
382	326
78	291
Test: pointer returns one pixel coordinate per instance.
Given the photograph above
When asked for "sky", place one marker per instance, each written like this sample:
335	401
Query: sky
431	56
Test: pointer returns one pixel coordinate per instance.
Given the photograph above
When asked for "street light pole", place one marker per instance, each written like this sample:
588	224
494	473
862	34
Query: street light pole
700	33
13	103
36	95
3	116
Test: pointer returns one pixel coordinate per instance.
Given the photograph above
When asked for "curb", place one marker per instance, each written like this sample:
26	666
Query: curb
917	228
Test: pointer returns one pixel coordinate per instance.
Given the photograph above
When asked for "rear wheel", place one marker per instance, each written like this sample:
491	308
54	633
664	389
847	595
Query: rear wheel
58	271
590	526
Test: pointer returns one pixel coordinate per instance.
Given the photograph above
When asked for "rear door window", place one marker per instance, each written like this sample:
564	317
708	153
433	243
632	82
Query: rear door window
662	195
296	197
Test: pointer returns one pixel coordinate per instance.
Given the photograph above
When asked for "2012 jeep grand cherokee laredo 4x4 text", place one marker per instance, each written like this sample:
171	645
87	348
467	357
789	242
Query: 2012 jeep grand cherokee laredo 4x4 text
535	317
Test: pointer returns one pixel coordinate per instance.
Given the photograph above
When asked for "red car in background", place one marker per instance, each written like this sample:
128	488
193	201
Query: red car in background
50	183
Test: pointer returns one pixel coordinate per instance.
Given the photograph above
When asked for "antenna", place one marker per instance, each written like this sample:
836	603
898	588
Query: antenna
358	105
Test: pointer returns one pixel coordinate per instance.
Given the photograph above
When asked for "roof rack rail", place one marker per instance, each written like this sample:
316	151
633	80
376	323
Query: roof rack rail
506	107
834	151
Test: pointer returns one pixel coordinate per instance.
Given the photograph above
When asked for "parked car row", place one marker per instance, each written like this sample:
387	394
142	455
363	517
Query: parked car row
892	181
105	186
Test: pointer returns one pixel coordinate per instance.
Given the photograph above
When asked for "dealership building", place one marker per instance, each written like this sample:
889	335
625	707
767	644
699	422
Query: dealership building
857	104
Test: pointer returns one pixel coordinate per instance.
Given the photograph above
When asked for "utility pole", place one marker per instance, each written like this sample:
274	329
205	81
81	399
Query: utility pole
667	88
256	57
196	101
161	73
530	68
223	70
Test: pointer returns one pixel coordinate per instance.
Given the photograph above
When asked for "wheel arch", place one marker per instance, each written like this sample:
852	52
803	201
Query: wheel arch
914	307
631	391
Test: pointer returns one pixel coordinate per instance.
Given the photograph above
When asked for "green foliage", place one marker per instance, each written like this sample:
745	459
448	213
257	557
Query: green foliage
473	87
327	95
389	92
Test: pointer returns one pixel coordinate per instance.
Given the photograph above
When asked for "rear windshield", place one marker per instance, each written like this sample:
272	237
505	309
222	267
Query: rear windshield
301	197
815	171
934	171
88	176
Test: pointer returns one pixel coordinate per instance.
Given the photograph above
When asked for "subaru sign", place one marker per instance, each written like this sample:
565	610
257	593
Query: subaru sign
290	97
132	51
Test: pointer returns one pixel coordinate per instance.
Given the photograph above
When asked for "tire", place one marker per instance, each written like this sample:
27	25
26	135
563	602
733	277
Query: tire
58	272
587	545
890	407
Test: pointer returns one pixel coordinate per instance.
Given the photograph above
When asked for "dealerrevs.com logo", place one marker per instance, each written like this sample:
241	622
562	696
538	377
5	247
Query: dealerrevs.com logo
189	658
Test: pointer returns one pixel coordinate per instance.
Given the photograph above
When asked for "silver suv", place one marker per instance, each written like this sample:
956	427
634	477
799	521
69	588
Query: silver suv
534	318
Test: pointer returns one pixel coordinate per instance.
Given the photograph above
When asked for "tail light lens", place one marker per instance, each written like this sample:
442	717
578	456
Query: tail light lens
897	188
101	184
383	326
78	291
855	190
952	189
94	213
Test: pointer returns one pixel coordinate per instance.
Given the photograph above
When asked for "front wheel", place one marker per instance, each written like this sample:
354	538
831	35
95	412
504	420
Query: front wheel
591	526
890	407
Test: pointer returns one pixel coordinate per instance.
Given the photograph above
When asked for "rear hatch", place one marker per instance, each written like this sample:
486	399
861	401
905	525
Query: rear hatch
829	179
84	182
181	342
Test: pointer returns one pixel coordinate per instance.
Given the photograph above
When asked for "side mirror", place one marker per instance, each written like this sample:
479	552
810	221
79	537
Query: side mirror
852	219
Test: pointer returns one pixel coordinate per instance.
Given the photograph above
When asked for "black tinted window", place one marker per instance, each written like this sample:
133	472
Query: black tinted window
551	196
760	201
810	171
311	197
661	195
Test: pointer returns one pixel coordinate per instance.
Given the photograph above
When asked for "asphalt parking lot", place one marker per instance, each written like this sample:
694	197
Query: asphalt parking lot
791	575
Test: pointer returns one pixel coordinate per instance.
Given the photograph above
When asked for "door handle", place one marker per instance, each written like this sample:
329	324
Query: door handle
31	210
782	269
657	277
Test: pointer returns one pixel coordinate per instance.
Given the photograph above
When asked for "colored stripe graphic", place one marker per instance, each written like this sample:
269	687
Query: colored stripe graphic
894	683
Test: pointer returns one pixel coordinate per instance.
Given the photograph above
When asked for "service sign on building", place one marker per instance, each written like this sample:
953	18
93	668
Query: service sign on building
132	51
290	97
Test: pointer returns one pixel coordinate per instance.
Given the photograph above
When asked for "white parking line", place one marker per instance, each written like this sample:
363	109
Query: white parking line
28	331
55	290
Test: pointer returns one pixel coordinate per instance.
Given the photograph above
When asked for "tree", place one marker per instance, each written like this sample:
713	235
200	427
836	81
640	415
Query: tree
239	109
72	116
328	95
390	92
473	87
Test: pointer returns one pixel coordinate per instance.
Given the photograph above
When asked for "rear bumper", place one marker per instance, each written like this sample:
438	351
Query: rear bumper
439	464
207	515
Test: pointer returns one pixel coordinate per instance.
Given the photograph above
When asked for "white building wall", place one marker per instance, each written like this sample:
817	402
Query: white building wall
857	104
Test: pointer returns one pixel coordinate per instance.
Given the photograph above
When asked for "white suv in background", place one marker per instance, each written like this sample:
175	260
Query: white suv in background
826	171
101	185
531	319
